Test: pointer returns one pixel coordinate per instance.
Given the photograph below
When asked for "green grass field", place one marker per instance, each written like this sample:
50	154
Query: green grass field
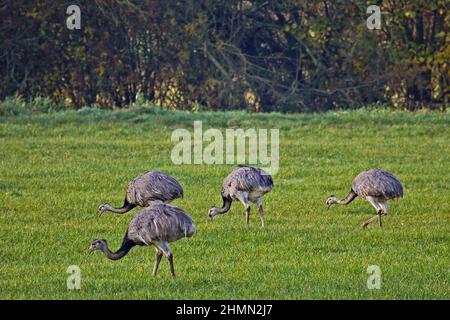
56	169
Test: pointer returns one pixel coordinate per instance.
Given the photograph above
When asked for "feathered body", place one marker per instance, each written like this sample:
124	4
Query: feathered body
158	224
377	183
376	186
246	184
253	181
146	188
151	186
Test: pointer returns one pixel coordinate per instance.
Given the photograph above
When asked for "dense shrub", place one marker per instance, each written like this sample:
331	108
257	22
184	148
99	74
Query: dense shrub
292	55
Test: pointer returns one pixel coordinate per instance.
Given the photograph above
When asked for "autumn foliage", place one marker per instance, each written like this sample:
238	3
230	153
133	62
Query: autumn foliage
227	54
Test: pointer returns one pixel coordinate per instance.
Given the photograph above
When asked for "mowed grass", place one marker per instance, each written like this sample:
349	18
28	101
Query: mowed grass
56	169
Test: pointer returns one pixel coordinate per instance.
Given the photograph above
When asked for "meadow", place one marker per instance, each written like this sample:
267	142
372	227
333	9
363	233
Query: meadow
56	168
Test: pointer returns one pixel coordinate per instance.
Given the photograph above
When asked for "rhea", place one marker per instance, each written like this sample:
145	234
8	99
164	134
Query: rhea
142	190
246	184
376	186
157	225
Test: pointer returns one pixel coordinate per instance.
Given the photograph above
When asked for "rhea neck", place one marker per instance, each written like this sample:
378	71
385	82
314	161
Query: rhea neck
123	250
349	198
225	206
125	208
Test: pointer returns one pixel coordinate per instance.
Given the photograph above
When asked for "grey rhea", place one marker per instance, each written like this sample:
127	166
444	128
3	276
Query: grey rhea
142	190
376	186
157	225
246	184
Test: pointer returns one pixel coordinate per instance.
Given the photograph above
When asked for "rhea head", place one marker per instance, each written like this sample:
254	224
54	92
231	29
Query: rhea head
214	211
98	244
103	207
331	200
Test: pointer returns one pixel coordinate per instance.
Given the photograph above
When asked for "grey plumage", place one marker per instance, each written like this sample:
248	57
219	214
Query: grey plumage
376	186
246	184
142	190
377	183
160	222
157	225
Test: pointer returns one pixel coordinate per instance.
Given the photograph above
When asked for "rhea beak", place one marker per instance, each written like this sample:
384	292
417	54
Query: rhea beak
90	250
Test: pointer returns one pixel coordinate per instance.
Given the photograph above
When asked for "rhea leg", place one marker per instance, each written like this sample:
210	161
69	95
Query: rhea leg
165	248
243	197
170	258
379	207
377	216
384	207
159	255
261	212
247	215
384	210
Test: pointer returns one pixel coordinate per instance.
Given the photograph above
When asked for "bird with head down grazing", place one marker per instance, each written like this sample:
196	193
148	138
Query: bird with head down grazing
376	186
